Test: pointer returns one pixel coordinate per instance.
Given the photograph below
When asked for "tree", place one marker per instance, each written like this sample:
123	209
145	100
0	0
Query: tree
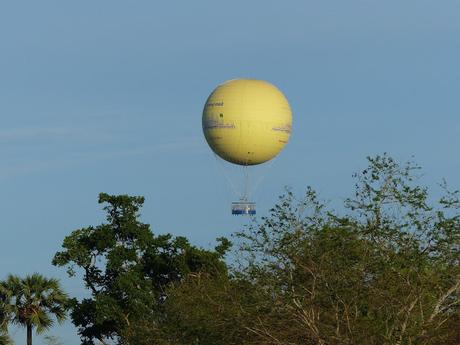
127	270
383	270
4	317
4	309
5	339
211	310
33	301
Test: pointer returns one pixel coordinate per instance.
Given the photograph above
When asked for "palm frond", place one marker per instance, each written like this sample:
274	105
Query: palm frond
33	300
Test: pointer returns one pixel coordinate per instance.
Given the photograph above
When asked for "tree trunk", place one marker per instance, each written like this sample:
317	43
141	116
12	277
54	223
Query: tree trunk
29	334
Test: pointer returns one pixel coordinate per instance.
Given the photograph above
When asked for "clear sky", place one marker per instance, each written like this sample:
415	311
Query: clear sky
106	96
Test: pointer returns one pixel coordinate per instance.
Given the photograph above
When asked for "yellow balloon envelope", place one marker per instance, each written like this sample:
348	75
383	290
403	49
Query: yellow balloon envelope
247	121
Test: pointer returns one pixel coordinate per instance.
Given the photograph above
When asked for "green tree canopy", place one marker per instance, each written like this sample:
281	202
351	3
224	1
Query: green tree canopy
383	270
127	270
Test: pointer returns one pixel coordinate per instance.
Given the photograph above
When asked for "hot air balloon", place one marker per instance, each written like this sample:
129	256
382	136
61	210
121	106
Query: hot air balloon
246	122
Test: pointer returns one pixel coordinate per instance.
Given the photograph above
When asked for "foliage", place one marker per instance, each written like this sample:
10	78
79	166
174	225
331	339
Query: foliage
386	271
5	312
5	339
4	316
127	270
33	301
208	310
52	340
383	270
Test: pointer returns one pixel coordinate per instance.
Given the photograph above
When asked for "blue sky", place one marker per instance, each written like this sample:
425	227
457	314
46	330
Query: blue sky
106	96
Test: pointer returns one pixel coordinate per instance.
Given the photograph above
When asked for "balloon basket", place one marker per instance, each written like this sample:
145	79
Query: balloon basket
243	207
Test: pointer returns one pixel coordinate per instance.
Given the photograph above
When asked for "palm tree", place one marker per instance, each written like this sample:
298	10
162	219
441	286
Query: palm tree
34	300
4	316
5	339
